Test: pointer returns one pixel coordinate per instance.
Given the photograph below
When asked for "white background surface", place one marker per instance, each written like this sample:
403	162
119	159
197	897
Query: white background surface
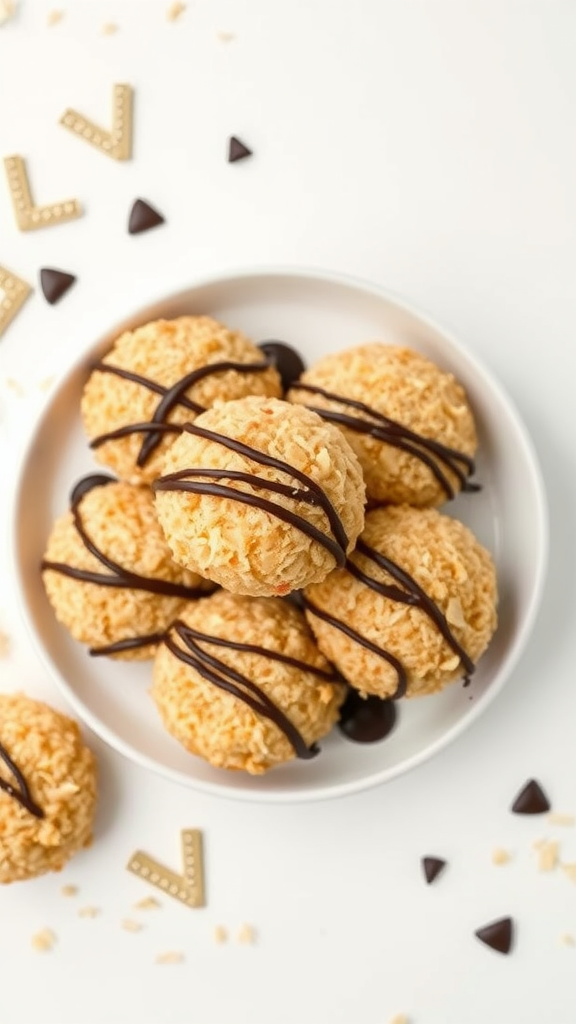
429	146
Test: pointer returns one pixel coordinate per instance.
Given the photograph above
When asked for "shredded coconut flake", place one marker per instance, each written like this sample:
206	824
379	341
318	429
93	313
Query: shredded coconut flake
500	856
548	856
88	912
561	819
147	903
132	926
175	11
171	957
44	940
246	935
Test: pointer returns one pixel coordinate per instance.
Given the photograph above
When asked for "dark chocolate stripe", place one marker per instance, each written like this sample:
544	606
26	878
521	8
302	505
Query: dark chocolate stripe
120	577
228	679
413	594
22	792
313	493
364	642
399	436
170	397
237	645
131	643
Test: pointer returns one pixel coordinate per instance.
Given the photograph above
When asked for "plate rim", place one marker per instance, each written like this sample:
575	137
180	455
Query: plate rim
541	511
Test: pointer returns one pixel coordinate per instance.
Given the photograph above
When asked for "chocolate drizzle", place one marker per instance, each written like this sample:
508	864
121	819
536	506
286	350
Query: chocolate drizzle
118	576
407	592
410	593
21	793
432	453
169	398
364	642
310	494
226	678
131	643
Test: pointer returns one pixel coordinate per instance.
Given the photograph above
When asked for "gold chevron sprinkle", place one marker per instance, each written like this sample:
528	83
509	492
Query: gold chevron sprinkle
15	291
187	887
30	217
116	143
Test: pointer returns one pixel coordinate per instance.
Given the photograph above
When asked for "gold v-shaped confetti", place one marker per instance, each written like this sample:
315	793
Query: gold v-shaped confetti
29	217
15	291
116	143
187	887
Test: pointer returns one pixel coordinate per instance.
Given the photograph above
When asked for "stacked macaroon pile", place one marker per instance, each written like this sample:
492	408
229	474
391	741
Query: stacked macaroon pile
271	539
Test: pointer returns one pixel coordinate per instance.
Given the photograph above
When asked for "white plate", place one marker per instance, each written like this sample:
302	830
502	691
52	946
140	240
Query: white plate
316	313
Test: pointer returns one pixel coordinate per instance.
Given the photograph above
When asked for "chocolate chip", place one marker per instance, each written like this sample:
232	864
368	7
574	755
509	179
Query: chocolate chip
498	934
55	283
143	217
237	150
531	800
366	719
432	867
285	359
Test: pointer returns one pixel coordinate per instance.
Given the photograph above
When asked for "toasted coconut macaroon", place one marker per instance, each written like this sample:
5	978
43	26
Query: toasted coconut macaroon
260	496
408	421
48	788
414	608
159	376
241	683
108	571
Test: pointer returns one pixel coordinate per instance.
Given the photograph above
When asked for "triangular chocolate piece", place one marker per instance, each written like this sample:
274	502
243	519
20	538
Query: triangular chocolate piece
143	217
531	800
498	934
55	283
432	866
237	150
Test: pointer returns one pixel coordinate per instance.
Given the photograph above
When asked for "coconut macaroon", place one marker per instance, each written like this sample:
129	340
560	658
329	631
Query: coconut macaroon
260	496
47	788
408	421
159	376
414	608
240	682
108	571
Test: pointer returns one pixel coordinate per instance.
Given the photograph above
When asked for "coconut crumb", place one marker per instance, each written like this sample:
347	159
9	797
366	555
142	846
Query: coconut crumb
567	939
132	926
44	940
226	37
88	912
561	819
147	903
46	383
109	29
454	613
7	9
400	1018
548	855
172	957
570	870
501	856
54	17
69	890
246	935
4	644
220	934
175	11
15	386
